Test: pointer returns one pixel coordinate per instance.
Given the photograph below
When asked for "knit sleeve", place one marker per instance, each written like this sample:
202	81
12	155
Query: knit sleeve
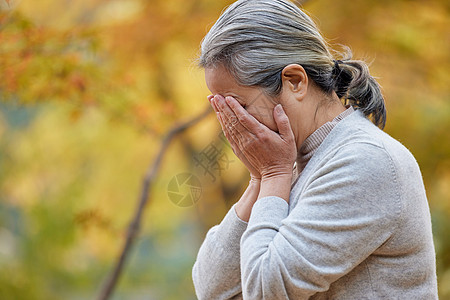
216	273
349	207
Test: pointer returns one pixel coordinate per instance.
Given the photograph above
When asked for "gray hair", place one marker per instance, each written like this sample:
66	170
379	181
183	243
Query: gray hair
256	39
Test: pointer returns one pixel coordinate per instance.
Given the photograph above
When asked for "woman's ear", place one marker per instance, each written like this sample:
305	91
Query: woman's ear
295	81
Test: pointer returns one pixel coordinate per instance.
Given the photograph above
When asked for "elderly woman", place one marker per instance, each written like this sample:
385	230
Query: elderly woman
335	208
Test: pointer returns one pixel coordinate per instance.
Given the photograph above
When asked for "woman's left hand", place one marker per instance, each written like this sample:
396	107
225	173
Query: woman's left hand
271	153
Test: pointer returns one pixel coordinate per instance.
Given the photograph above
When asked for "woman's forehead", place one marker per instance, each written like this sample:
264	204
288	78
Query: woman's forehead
218	80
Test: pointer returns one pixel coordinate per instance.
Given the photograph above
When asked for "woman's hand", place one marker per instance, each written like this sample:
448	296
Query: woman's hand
263	151
254	174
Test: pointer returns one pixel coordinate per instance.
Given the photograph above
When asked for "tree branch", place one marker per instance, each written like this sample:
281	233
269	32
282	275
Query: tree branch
134	227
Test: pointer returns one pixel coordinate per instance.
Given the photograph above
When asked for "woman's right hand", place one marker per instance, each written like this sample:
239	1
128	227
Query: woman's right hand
254	174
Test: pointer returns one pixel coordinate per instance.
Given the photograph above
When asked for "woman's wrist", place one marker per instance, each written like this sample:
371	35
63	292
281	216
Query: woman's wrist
244	206
278	185
255	179
279	171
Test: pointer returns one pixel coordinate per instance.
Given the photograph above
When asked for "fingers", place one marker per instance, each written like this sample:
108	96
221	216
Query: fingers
237	124
282	121
228	115
233	129
227	133
224	124
210	98
221	104
247	120
233	132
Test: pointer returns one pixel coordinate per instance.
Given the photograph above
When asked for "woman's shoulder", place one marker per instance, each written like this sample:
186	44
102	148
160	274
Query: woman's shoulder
365	147
357	149
358	132
357	146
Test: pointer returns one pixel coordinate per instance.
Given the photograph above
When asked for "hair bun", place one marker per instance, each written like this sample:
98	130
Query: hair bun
341	78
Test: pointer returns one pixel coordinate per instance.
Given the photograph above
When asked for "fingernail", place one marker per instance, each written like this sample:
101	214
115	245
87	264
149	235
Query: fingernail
211	101
219	101
218	97
279	109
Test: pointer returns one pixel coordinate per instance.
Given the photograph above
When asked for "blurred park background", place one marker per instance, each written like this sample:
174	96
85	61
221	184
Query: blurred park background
89	88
